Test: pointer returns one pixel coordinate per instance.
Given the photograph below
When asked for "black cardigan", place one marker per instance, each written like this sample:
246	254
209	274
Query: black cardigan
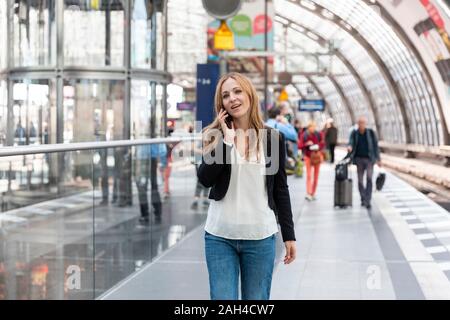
217	176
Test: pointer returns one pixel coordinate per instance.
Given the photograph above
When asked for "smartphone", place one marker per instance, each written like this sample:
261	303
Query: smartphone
228	121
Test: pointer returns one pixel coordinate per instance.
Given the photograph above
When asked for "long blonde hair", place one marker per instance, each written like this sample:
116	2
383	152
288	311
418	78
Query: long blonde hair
255	118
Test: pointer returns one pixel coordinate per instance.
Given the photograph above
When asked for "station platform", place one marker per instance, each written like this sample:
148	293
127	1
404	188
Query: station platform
399	249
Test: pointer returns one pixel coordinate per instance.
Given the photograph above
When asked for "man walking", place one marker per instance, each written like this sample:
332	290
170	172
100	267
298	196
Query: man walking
331	136
364	152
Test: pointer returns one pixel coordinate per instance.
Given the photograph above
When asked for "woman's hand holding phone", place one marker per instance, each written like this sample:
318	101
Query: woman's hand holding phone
228	131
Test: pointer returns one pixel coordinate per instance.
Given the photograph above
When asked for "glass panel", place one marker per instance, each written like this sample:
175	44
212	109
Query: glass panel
141	33
3	112
137	201
104	21
34	33
159	41
140	109
34	112
117	238
93	110
144	95
46	222
3	35
159	126
187	39
148	211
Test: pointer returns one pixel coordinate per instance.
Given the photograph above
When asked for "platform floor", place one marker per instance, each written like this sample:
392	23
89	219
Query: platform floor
397	250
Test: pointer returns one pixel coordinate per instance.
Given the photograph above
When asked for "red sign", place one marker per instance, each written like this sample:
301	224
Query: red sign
433	13
258	24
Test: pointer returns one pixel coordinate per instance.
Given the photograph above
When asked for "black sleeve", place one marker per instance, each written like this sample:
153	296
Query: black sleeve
281	196
209	171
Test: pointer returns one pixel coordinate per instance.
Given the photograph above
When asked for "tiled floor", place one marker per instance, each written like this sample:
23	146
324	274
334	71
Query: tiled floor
348	253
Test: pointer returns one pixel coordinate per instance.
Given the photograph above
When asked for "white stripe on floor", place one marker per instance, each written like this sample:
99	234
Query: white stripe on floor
445	266
417	226
442	234
436	249
426	236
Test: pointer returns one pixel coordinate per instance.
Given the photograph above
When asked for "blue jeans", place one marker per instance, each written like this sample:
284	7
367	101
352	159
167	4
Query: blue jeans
254	259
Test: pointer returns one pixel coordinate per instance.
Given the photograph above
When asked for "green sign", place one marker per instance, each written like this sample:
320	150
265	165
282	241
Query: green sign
241	25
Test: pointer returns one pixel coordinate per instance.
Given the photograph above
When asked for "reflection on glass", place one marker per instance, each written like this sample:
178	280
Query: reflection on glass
3	35
48	225
34	112
34	33
93	110
94	33
46	236
141	33
160	41
159	126
145	51
144	94
3	112
133	232
140	109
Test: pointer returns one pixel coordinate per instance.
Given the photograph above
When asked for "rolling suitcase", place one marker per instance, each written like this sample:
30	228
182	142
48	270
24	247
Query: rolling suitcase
343	185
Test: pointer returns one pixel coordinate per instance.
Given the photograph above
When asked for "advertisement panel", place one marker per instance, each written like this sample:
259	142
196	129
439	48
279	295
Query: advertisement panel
427	25
249	35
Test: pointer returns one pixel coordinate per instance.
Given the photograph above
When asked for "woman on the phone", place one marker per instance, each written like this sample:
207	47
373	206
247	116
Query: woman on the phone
241	224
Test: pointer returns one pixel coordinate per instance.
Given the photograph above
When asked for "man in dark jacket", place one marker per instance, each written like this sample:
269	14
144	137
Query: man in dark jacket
364	151
331	136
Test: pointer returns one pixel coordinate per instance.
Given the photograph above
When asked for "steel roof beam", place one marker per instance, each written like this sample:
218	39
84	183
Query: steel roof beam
373	54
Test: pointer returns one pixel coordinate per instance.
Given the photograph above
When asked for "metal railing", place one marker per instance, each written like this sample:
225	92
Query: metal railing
52	148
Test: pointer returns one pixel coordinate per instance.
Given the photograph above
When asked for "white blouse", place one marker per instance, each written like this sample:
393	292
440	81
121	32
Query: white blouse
244	212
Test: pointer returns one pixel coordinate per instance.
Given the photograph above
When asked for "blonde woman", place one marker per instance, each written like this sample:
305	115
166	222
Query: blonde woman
246	193
311	143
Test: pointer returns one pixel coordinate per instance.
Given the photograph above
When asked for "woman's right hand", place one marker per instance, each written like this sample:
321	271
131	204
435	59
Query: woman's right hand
228	133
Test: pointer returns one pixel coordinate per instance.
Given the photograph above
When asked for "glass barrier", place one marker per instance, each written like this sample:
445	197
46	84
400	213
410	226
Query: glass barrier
75	224
46	224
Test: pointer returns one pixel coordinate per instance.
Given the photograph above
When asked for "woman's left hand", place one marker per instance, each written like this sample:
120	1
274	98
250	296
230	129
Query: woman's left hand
291	252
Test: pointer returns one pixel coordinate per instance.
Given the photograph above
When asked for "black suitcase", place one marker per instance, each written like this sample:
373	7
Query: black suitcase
343	193
341	171
380	181
343	185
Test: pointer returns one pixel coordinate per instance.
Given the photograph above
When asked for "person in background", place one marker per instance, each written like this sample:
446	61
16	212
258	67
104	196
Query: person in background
311	143
279	122
20	134
32	133
147	158
168	168
297	126
286	112
331	136
364	152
